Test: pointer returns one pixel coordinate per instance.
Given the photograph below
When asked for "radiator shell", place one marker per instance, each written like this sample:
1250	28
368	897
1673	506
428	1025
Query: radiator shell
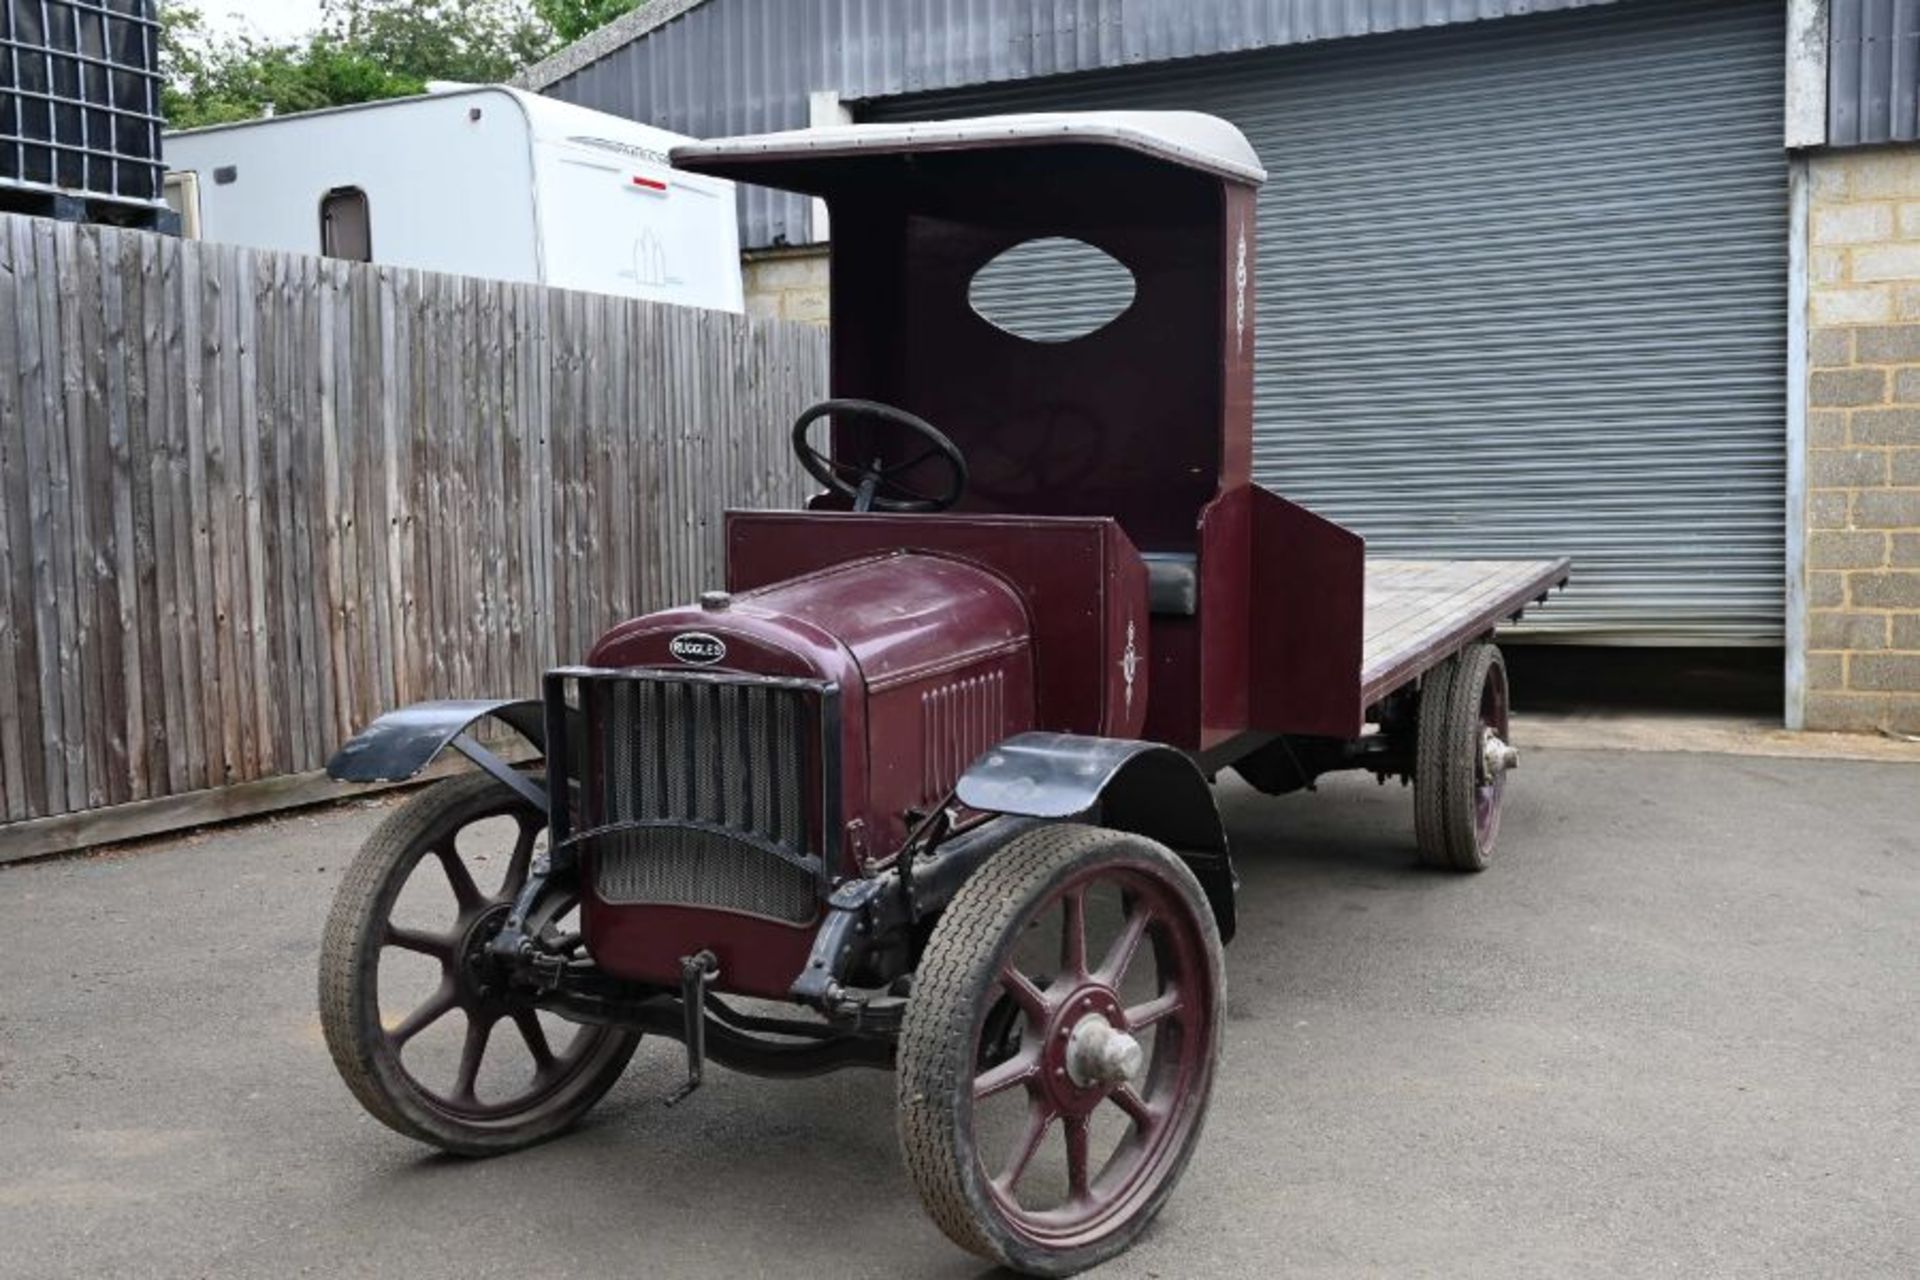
929	663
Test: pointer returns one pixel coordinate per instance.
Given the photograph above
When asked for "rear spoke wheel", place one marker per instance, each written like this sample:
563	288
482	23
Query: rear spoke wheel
1462	759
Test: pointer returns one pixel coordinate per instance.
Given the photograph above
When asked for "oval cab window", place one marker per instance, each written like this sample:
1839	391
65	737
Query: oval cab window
1051	290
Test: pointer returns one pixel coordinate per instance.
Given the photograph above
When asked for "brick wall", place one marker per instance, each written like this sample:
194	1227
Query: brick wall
787	284
1863	441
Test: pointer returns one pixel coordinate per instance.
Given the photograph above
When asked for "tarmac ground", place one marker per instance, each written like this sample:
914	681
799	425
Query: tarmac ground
1672	1031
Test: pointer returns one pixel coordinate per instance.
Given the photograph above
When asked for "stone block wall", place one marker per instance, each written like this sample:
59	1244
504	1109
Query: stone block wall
1863	441
787	284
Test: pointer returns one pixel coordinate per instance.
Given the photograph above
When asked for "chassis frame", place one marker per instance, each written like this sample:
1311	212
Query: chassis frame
866	936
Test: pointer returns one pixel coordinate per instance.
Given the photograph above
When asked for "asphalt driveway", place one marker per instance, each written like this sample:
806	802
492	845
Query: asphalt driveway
1676	1031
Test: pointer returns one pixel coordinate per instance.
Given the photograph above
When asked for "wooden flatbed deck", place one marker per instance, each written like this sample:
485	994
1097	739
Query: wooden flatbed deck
1420	612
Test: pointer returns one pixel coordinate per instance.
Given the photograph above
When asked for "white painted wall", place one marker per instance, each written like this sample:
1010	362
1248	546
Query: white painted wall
488	182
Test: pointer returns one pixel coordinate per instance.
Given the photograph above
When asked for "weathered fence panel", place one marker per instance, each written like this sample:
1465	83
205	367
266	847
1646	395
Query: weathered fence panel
250	500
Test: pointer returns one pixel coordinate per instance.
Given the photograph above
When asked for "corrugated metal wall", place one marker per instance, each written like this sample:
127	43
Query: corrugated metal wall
1522	290
730	67
1873	71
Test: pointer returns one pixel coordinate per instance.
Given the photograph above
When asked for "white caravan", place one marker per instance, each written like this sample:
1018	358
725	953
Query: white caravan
475	180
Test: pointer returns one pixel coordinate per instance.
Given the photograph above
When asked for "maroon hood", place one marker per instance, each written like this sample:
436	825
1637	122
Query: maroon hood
877	622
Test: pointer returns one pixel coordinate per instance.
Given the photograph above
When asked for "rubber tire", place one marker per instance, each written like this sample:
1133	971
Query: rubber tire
950	994
1452	763
1429	764
349	985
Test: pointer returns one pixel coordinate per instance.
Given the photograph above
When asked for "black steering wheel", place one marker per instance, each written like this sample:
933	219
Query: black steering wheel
876	486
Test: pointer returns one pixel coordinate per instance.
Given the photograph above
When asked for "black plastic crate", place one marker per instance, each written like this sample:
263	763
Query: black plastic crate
80	98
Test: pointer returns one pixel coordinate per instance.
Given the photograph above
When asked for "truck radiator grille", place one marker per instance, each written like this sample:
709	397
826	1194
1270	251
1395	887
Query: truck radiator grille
728	754
701	791
692	866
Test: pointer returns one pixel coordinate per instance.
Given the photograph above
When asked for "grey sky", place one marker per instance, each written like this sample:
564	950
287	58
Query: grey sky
270	19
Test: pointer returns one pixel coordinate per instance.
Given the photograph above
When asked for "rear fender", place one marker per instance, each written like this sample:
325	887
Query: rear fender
401	743
1145	788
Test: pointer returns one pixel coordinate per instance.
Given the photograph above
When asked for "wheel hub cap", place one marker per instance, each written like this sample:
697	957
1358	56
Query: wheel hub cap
1497	756
1100	1054
476	960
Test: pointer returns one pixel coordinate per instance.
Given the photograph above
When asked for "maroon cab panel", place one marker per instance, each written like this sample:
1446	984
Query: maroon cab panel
1306	620
1275	645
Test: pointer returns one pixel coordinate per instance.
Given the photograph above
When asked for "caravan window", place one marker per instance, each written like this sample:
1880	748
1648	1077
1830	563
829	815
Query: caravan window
345	230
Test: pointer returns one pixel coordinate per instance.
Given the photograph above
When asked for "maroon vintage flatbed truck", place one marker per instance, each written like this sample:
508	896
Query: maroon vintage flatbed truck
931	772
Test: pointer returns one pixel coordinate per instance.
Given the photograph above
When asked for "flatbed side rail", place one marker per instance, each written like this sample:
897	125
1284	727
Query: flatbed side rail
1420	628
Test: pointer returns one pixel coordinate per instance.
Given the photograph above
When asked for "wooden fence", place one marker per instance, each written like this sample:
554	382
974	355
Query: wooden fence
249	500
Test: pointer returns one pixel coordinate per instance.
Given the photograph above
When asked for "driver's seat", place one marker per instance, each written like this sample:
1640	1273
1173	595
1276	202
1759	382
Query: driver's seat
1173	583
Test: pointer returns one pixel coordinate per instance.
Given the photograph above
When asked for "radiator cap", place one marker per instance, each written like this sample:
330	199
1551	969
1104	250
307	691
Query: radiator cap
715	601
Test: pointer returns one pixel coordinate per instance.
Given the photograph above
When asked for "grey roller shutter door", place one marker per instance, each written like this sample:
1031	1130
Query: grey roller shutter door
1522	291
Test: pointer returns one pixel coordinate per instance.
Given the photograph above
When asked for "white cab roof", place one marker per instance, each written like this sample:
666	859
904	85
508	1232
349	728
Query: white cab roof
1189	138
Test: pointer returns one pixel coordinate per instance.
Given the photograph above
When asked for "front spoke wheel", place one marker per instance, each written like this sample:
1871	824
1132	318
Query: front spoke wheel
1048	1104
412	909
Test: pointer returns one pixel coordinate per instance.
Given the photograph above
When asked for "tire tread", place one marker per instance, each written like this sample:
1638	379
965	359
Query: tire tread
1429	769
1460	767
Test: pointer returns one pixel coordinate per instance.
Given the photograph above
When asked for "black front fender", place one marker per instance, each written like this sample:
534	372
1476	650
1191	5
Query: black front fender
401	743
1141	787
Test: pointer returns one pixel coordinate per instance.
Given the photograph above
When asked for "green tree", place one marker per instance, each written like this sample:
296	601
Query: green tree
571	19
478	41
364	50
215	81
